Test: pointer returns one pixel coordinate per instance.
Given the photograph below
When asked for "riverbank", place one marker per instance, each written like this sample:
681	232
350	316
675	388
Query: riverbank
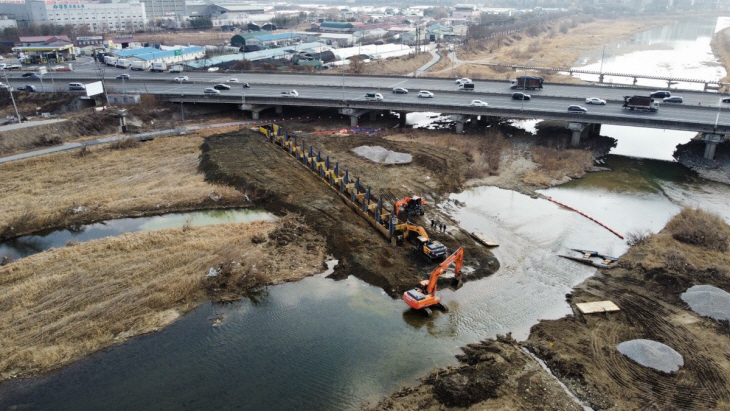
66	303
128	179
720	45
581	349
238	159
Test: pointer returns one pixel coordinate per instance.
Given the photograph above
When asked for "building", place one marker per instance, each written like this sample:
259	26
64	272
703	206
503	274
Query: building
272	39
165	10
170	56
45	49
97	16
465	11
336	27
7	21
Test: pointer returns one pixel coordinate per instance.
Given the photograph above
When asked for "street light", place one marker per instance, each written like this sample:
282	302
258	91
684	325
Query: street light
182	110
10	90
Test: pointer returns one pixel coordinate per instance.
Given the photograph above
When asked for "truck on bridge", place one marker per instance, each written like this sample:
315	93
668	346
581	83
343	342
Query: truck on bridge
527	83
645	103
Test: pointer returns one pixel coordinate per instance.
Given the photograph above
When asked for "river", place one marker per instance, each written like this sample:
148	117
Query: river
320	344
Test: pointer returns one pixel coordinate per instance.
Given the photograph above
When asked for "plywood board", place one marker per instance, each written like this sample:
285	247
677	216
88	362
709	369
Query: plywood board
597	307
483	239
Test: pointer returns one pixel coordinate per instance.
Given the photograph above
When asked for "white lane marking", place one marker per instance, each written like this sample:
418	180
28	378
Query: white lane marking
395	84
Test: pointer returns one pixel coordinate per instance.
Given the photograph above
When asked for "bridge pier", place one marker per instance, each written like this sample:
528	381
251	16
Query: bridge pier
353	121
460	120
279	110
594	130
256	109
600	78
373	115
402	115
711	142
577	129
354	114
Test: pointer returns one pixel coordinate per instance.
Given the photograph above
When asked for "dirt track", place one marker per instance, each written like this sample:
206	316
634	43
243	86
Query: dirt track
248	161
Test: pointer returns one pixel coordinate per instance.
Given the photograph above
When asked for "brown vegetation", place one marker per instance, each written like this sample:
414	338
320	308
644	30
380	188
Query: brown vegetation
65	303
554	165
720	45
65	188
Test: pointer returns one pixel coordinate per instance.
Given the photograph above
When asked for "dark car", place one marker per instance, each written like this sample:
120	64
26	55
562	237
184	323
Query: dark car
31	75
520	96
675	99
246	85
27	88
577	109
726	99
124	76
660	94
400	90
222	87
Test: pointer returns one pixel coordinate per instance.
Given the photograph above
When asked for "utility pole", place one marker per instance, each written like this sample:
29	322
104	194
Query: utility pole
10	90
182	109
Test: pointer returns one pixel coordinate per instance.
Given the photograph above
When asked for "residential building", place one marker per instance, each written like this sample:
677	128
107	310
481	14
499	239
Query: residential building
98	16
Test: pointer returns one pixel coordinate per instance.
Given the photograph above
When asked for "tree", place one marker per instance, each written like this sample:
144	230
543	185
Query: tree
201	23
437	13
357	65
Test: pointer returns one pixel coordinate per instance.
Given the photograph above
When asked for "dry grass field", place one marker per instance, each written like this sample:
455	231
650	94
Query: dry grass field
107	182
65	303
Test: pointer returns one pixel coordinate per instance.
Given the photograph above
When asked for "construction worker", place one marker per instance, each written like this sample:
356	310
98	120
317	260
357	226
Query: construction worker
433	223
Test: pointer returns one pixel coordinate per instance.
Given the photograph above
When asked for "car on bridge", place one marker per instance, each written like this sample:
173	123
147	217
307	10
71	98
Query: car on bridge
124	76
373	97
400	90
181	79
596	100
463	81
13	67
425	94
290	93
660	94
673	99
27	88
233	80
31	75
520	96
211	90
478	103
222	87
577	109
726	100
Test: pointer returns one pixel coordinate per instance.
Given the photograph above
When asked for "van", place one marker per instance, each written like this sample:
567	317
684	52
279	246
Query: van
76	86
373	97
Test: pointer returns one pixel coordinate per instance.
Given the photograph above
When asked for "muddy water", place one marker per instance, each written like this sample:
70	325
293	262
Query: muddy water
679	50
32	244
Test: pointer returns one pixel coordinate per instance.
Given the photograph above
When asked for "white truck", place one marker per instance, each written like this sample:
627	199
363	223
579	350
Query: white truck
123	63
158	67
177	68
140	65
110	60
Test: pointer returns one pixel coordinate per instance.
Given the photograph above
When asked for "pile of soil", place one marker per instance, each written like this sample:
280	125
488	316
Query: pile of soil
248	161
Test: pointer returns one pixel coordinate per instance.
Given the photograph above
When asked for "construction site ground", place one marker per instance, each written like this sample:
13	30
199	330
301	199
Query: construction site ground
247	160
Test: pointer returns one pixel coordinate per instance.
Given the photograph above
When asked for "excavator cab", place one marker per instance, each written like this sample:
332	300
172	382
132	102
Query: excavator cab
415	205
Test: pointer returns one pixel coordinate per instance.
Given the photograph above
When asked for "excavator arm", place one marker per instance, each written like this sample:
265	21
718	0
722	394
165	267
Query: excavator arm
457	258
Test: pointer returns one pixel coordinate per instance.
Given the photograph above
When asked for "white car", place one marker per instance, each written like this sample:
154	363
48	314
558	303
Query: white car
180	79
213	69
290	93
4	86
478	103
596	100
425	94
211	90
463	81
233	80
2	66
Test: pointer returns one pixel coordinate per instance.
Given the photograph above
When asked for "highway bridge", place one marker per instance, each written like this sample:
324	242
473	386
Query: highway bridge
700	112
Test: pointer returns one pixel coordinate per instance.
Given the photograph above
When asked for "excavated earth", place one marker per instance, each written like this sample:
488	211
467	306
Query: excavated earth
247	160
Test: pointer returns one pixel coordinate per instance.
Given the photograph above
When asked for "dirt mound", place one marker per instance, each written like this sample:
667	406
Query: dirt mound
248	161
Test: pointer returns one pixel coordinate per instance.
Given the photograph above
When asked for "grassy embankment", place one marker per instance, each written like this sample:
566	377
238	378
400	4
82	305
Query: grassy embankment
493	154
63	304
558	44
720	45
107	182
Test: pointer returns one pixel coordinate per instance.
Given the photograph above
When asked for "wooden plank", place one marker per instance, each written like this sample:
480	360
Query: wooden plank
597	307
483	239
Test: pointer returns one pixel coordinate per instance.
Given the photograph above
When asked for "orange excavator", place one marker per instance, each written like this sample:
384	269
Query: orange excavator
431	249
412	205
423	297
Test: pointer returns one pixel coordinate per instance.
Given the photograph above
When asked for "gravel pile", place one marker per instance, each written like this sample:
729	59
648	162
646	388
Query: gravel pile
709	301
652	354
382	155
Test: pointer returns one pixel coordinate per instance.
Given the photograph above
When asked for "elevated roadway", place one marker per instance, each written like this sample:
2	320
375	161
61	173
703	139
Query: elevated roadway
700	112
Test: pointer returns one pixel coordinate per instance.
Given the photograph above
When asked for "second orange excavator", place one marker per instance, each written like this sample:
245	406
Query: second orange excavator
423	297
412	205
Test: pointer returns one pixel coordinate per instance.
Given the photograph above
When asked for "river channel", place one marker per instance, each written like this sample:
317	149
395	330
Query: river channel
320	344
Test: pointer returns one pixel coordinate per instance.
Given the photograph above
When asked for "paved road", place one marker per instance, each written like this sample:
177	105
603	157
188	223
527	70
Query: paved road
27	124
111	139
